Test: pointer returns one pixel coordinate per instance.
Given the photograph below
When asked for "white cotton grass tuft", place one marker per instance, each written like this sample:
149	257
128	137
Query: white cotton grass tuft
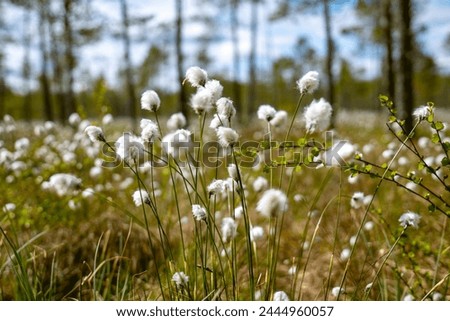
266	112
215	88
345	254
130	148
409	219
318	115
409	297
308	83
422	112
63	184
280	119
256	233
196	76
176	121
198	212
74	119
9	207
177	143
150	100
232	171
107	119
280	296
272	203
225	107
336	291
229	229
238	212
260	184
216	187
359	200
227	137
339	153
95	133
150	131
181	279
202	101
140	197
219	120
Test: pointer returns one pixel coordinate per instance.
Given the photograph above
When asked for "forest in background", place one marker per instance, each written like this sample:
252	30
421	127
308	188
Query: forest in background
57	30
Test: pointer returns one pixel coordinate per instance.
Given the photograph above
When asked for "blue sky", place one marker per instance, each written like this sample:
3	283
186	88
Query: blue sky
274	39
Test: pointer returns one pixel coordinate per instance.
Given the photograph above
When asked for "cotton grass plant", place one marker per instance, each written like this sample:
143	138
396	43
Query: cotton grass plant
204	213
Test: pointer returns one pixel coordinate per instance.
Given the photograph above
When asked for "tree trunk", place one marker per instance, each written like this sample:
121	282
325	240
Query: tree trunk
389	47
132	110
44	78
329	58
179	53
69	58
406	62
234	24
251	103
26	67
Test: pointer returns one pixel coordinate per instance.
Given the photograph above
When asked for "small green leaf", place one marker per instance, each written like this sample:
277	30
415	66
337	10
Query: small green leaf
430	118
446	146
432	208
302	142
435	138
438	125
445	161
420	166
368	168
315	151
392	119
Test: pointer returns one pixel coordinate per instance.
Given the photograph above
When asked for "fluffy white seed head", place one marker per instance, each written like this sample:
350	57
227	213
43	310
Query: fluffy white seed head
198	212
280	119
150	100
130	148
266	112
232	171
218	121
227	136
215	88
140	197
260	184
318	115
176	121
229	229
74	119
336	291
409	219
181	279
177	143
256	233
225	107
308	83
196	76
202	101
280	296
150	132
272	203
216	187
63	184
357	200
95	133
422	112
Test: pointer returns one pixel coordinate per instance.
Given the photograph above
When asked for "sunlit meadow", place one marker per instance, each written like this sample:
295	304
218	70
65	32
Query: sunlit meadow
286	208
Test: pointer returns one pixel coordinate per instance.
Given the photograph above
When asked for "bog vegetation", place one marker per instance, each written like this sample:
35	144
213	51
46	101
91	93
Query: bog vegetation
282	209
